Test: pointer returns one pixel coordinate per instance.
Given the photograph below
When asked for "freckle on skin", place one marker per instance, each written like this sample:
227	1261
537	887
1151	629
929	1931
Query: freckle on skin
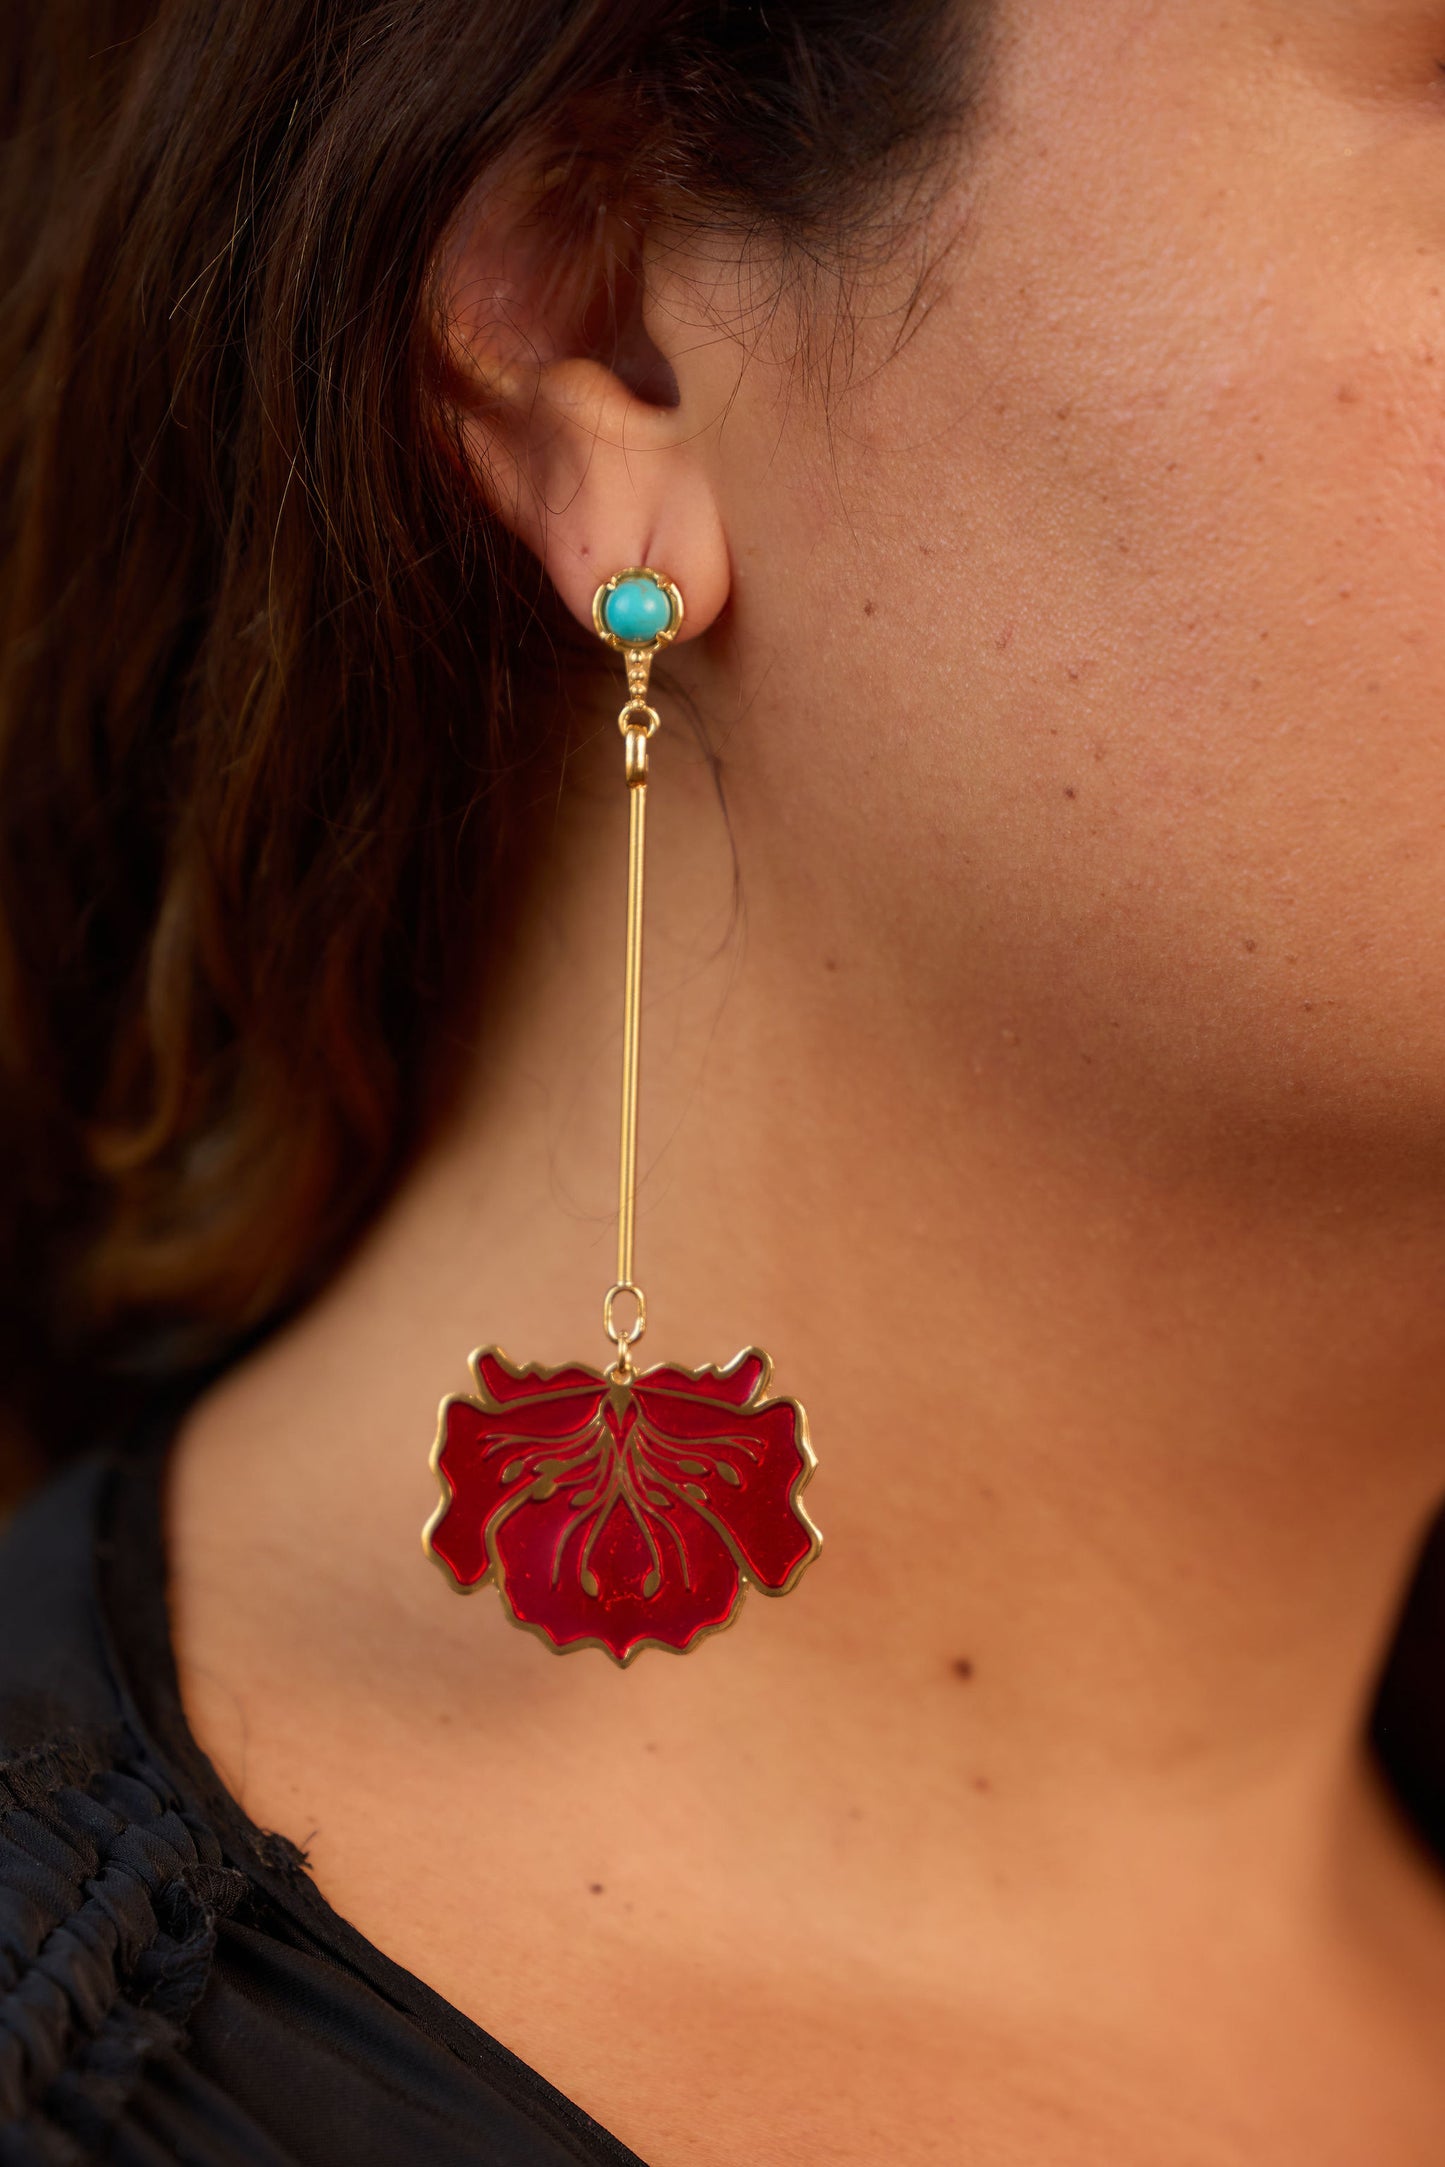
870	609
594	1888
981	1783
1070	791
963	1668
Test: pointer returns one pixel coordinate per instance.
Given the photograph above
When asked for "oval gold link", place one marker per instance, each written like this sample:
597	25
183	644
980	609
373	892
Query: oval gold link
636	759
621	1339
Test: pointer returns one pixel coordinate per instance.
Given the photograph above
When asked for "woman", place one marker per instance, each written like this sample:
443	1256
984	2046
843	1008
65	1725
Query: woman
1037	410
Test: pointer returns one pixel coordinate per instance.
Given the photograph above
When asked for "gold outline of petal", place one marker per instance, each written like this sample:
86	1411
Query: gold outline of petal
755	1403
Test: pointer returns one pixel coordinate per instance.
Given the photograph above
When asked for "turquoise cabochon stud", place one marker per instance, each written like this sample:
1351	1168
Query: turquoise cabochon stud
637	610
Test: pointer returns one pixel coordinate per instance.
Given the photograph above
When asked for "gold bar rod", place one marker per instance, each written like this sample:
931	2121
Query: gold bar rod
631	1031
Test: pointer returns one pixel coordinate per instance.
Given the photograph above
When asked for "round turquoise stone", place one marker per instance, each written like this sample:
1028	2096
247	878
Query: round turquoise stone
637	610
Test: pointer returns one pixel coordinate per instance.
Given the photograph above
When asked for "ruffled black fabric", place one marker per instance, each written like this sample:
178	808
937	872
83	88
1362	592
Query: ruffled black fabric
109	1898
174	1990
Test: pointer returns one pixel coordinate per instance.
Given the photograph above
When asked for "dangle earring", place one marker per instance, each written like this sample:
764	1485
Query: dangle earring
624	1509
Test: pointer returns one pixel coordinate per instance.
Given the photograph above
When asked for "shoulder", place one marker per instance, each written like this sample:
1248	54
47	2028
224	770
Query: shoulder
172	1986
109	1889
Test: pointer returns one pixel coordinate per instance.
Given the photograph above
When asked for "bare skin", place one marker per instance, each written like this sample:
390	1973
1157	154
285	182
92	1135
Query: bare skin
1066	1115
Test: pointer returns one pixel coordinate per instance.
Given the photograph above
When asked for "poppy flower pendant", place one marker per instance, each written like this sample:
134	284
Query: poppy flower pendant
617	1513
620	1508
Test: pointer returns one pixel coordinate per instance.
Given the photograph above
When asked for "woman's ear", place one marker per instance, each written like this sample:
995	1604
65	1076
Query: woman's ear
591	396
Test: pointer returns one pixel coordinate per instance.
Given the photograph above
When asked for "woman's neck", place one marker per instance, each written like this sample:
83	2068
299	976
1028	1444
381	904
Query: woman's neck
1128	1425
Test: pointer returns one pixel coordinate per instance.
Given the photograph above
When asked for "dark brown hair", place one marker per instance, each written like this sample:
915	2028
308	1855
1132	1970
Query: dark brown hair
260	763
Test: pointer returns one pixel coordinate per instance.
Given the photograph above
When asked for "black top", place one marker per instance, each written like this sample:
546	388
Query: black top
173	1988
174	1992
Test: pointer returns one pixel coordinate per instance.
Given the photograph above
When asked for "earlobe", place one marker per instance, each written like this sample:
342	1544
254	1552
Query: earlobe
590	473
600	479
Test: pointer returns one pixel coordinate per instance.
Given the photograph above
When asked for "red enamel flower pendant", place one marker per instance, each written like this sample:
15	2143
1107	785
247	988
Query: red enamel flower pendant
622	1515
624	1509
